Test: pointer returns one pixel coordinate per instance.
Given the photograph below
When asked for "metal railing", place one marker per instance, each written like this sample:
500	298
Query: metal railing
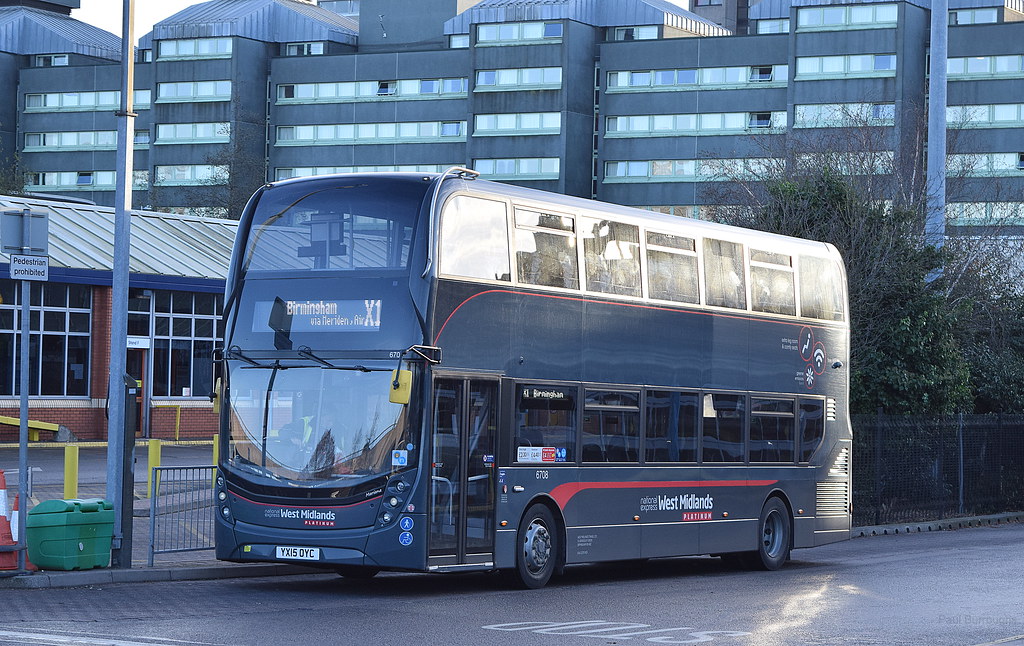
910	469
182	510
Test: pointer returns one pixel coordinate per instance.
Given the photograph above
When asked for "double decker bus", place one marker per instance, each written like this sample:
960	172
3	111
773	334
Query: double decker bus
432	372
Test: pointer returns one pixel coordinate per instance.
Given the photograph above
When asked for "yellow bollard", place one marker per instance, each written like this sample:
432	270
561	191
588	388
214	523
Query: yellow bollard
70	472
154	461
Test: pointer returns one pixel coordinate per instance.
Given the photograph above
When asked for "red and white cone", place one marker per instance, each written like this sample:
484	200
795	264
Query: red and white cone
14	531
5	511
8	560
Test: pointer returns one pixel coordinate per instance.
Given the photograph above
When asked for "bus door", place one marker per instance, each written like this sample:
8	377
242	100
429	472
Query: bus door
463	471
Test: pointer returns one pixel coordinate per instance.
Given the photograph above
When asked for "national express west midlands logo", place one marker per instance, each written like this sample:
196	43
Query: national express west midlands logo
694	507
309	517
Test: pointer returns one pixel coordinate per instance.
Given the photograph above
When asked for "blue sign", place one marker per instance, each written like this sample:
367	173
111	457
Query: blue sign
560	455
406	523
405	538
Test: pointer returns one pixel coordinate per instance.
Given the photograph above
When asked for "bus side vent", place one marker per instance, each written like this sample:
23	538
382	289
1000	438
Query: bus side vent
833	498
841	467
830	409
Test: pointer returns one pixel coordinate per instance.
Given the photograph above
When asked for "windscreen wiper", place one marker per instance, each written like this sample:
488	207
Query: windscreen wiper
306	352
235	352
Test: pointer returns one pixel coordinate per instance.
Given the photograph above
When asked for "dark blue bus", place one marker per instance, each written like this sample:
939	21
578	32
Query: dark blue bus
432	372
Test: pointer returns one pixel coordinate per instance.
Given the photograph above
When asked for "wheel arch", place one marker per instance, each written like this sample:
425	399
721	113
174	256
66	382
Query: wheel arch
556	513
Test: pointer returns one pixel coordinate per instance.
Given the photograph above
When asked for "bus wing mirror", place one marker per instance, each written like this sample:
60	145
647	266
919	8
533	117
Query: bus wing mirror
401	386
216	395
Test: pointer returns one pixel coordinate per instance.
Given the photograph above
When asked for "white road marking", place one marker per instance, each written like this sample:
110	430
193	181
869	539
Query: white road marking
57	639
616	630
1005	640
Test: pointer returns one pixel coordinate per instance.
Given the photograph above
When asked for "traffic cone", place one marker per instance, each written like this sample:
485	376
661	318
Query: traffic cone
8	560
14	532
4	509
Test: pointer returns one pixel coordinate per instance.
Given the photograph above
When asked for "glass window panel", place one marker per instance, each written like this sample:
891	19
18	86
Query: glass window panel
1004	112
508	77
771	437
723	269
821	290
772	290
552	75
474	238
809	17
52	382
547	259
723	427
180	367
686	77
861	63
610	436
1004	64
672	276
612	258
640	79
138	324
832	64
978	65
862	15
812	427
78	322
886	13
885	62
664	77
671	431
77	374
545	419
533	31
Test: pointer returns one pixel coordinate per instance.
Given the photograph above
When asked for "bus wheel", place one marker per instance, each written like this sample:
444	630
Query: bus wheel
536	547
356	571
775	535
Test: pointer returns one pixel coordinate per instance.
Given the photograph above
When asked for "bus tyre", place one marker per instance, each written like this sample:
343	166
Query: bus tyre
774	537
537	547
356	571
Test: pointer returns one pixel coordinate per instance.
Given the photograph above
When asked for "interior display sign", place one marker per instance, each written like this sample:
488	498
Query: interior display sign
317	316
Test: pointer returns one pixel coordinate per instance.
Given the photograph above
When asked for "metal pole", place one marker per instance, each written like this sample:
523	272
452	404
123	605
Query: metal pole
117	443
935	222
23	474
960	438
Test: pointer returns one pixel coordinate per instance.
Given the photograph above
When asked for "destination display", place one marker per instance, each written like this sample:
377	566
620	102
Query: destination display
288	316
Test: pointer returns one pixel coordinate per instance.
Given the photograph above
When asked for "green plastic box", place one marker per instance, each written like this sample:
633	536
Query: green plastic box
70	534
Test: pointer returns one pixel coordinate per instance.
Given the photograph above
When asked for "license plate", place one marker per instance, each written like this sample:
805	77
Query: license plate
298	553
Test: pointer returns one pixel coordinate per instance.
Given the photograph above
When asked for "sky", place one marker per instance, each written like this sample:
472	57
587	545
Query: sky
106	14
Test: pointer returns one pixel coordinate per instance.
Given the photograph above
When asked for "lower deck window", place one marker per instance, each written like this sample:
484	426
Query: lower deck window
723	427
545	423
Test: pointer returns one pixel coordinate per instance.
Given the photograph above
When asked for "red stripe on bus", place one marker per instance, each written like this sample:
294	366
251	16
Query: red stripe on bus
595	300
564	492
270	504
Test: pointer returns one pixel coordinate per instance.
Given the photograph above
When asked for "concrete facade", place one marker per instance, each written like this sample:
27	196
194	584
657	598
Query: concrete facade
424	89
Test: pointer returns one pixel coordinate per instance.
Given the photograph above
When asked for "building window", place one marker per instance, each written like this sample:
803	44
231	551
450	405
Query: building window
837	115
458	41
774	26
309	171
185	331
191	175
693	78
82	101
862	65
350	91
519	168
85	140
371	133
646	32
707	3
973	16
60	324
684	170
51	60
194	91
177	133
195	48
530	78
865	16
518	33
98	180
145	56
304	49
518	124
141	138
985	213
981	66
709	123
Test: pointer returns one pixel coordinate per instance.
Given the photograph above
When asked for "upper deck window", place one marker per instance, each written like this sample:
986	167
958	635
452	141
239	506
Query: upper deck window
611	256
474	239
821	289
546	249
361	224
